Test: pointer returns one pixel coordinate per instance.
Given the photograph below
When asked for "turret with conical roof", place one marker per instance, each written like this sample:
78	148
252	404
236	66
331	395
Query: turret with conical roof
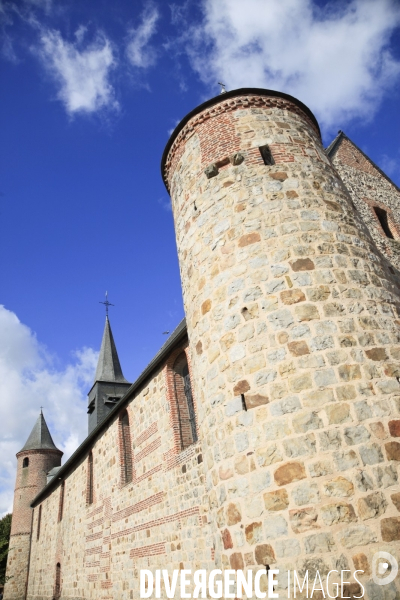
40	437
38	456
110	384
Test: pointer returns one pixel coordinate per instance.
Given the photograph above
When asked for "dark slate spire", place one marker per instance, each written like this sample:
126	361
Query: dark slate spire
108	367
40	438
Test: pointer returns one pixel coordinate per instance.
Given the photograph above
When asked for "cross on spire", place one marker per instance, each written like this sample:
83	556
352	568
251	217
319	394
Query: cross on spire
106	304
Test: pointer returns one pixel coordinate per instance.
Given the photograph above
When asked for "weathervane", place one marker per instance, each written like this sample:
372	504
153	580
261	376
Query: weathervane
223	90
106	304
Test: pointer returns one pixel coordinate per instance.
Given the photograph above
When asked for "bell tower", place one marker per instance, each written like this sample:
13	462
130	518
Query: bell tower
109	383
38	456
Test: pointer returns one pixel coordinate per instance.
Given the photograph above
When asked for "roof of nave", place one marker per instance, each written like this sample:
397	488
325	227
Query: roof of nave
334	146
179	334
40	437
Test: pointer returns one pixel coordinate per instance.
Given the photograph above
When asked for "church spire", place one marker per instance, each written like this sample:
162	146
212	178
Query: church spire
108	366
40	437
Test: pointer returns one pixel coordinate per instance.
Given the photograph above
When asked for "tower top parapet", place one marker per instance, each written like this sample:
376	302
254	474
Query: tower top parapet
231	101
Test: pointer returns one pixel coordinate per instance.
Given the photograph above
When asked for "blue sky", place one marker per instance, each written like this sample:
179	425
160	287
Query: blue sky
90	92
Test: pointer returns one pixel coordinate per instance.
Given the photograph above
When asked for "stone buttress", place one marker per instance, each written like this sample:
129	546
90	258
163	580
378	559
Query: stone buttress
293	321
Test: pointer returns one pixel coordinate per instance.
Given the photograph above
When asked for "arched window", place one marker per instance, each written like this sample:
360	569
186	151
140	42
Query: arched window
184	402
39	522
61	502
25	462
89	485
57	585
125	448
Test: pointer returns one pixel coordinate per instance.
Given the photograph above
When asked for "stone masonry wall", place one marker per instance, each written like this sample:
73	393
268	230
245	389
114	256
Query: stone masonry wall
293	321
158	520
29	481
369	188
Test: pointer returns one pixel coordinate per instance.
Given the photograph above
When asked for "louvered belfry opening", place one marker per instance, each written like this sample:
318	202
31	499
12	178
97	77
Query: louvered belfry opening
184	401
125	448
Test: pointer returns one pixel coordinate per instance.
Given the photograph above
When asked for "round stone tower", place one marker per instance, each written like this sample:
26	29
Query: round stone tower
293	320
38	456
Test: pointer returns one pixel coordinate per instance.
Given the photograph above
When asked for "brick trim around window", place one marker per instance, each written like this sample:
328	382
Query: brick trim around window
178	413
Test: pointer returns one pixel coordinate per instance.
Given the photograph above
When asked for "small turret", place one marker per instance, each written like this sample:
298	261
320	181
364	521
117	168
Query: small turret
38	456
109	383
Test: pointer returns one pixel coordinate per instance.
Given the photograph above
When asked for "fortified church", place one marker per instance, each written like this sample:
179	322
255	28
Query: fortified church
265	432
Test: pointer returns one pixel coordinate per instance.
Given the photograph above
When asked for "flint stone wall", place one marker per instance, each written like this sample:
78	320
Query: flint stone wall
368	187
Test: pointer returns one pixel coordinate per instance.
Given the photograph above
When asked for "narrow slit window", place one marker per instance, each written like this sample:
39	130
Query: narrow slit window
89	490
384	221
266	154
57	585
126	448
184	402
61	502
39	522
25	462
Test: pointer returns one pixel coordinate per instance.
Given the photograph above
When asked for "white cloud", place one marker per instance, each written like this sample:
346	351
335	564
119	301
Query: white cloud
81	73
334	59
139	52
28	380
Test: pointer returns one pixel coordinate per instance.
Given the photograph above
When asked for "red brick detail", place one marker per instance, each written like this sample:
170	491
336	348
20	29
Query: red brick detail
107	508
94	536
152	550
29	482
219	141
61	501
173	460
106	584
39	522
125	448
148	474
95	512
147	450
151	430
95	550
89	480
138	507
189	512
349	155
95	523
57	584
178	416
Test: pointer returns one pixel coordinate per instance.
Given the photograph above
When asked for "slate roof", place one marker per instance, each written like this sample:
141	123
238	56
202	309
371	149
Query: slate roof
108	367
40	438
